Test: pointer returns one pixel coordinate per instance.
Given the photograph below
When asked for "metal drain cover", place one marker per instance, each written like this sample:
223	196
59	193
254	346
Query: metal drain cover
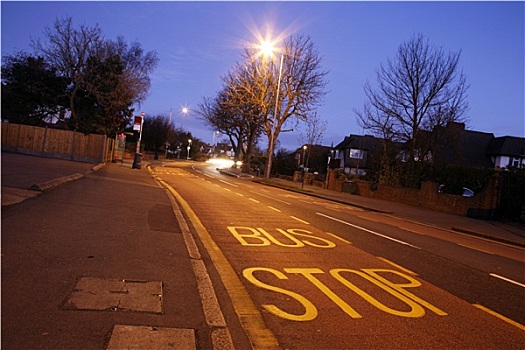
93	293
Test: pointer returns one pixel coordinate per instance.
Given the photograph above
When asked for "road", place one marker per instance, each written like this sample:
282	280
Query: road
303	272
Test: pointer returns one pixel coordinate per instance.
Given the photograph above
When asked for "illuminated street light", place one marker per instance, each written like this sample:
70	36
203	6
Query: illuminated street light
189	146
184	111
304	168
267	48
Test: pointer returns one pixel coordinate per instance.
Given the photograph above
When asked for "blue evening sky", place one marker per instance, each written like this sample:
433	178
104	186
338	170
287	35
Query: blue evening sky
198	42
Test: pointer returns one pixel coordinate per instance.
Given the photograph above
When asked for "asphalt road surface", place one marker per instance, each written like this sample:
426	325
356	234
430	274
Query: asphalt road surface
306	273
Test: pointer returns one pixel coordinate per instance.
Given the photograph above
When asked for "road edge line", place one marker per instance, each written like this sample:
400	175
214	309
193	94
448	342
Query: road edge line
249	316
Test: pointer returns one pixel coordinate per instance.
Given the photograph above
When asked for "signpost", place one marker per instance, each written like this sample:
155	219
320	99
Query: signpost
137	126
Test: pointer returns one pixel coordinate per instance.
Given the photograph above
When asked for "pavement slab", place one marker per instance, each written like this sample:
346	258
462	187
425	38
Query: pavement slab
152	338
104	294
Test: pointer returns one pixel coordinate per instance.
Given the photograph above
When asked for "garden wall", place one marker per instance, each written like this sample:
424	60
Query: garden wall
483	205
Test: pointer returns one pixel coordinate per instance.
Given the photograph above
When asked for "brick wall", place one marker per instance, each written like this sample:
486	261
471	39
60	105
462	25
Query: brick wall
483	205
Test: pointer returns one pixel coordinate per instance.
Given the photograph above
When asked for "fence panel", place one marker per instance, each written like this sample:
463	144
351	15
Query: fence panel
54	143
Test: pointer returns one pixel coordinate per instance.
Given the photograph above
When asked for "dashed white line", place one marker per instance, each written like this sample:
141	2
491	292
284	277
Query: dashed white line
470	247
272	198
228	183
254	200
300	220
274	208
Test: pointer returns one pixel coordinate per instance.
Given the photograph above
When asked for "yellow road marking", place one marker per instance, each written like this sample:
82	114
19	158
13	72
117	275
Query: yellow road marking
501	317
339	238
398	266
249	316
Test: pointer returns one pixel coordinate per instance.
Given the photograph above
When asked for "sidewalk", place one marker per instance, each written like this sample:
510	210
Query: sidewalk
100	263
493	230
25	176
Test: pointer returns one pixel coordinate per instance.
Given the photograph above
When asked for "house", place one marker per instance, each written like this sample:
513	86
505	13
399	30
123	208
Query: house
312	157
453	144
507	151
450	144
356	153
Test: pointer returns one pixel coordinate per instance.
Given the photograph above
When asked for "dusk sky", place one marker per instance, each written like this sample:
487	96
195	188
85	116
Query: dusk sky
198	42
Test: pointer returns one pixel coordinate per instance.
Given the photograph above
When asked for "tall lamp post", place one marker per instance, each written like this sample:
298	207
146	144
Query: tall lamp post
304	168
183	111
189	146
268	49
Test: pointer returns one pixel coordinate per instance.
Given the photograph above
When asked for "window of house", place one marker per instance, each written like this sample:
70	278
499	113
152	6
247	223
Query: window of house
516	162
356	153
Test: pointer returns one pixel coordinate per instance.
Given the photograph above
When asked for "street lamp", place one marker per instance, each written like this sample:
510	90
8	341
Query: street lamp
304	169
267	49
184	111
189	146
214	143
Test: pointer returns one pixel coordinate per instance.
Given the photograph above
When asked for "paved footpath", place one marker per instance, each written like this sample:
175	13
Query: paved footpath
102	262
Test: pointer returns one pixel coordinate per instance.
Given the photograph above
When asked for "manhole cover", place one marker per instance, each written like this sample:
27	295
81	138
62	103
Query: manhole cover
93	293
151	338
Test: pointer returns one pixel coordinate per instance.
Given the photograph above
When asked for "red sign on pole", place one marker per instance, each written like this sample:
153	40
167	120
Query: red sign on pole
137	124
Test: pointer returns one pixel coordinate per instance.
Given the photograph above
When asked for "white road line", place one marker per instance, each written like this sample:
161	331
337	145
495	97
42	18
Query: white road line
272	198
473	248
507	279
367	230
239	194
208	175
228	183
274	208
304	222
254	200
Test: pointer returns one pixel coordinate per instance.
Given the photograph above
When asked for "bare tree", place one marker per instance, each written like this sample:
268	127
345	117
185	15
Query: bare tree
284	89
68	50
315	129
420	89
105	77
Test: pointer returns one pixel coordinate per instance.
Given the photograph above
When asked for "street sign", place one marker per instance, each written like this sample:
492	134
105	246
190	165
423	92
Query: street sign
137	124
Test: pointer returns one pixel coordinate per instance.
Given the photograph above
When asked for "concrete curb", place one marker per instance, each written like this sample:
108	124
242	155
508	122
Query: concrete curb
43	186
492	238
98	167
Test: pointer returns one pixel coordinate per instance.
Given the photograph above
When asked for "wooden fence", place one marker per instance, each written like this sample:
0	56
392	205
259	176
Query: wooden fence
54	143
